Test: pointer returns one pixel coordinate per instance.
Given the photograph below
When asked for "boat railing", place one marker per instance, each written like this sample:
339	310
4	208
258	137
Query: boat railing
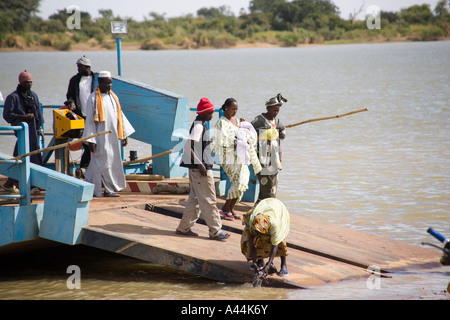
23	165
42	110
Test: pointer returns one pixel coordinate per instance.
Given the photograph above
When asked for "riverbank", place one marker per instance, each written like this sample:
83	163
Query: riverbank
110	44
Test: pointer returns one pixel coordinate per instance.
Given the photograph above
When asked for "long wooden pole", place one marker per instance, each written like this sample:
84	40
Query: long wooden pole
125	163
58	146
326	118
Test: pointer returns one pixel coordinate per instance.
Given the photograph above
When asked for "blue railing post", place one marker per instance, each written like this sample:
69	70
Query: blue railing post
119	56
23	164
23	147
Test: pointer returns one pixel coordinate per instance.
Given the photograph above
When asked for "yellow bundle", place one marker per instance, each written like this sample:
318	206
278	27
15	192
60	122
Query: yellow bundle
269	134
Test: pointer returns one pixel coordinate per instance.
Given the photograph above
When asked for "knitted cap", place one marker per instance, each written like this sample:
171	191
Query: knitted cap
25	76
205	106
84	61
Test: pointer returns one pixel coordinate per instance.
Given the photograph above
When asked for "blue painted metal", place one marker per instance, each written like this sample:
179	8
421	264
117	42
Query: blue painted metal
158	117
119	56
60	218
21	167
62	215
63	219
250	195
20	223
135	168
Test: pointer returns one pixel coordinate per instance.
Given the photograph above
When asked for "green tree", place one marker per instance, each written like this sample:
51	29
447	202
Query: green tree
311	14
210	13
442	11
264	6
16	15
418	14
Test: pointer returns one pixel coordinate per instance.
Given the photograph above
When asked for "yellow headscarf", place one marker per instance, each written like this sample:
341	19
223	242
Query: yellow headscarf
270	217
261	224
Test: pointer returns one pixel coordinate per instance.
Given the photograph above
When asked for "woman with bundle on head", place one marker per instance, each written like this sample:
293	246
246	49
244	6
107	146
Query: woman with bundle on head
234	143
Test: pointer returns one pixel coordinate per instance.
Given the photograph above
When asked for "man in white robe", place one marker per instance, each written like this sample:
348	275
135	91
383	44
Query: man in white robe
103	113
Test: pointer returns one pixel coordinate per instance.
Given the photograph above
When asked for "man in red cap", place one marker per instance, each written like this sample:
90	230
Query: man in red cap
23	106
198	159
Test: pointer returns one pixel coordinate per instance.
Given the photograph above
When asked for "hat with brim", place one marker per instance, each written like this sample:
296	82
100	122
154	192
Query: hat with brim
276	101
273	102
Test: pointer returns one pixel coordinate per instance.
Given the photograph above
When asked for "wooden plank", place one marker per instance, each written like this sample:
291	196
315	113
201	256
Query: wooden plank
333	241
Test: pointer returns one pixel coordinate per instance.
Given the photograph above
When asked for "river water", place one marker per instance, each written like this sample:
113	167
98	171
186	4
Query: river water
385	171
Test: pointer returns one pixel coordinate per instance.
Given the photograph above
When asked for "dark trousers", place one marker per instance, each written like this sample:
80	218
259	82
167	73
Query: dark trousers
86	157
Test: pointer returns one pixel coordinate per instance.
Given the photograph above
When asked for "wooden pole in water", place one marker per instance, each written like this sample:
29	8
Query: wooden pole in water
326	118
60	145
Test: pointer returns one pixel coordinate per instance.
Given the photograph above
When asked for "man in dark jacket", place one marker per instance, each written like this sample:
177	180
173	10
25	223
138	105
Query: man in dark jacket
80	87
23	106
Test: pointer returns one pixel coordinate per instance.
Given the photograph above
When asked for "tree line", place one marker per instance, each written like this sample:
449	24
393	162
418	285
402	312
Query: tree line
277	22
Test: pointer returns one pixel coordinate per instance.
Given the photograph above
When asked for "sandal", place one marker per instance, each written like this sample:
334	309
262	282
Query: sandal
236	216
226	215
222	236
283	272
190	233
259	264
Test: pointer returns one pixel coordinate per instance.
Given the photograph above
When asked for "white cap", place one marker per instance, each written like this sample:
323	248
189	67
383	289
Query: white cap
104	74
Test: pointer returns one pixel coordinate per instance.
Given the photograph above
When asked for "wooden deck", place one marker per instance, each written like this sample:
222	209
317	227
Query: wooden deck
142	225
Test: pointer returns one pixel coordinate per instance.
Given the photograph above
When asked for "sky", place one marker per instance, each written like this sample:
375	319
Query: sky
138	9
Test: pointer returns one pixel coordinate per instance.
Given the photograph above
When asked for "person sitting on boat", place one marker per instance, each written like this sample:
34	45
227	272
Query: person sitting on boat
270	132
234	143
103	113
264	236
